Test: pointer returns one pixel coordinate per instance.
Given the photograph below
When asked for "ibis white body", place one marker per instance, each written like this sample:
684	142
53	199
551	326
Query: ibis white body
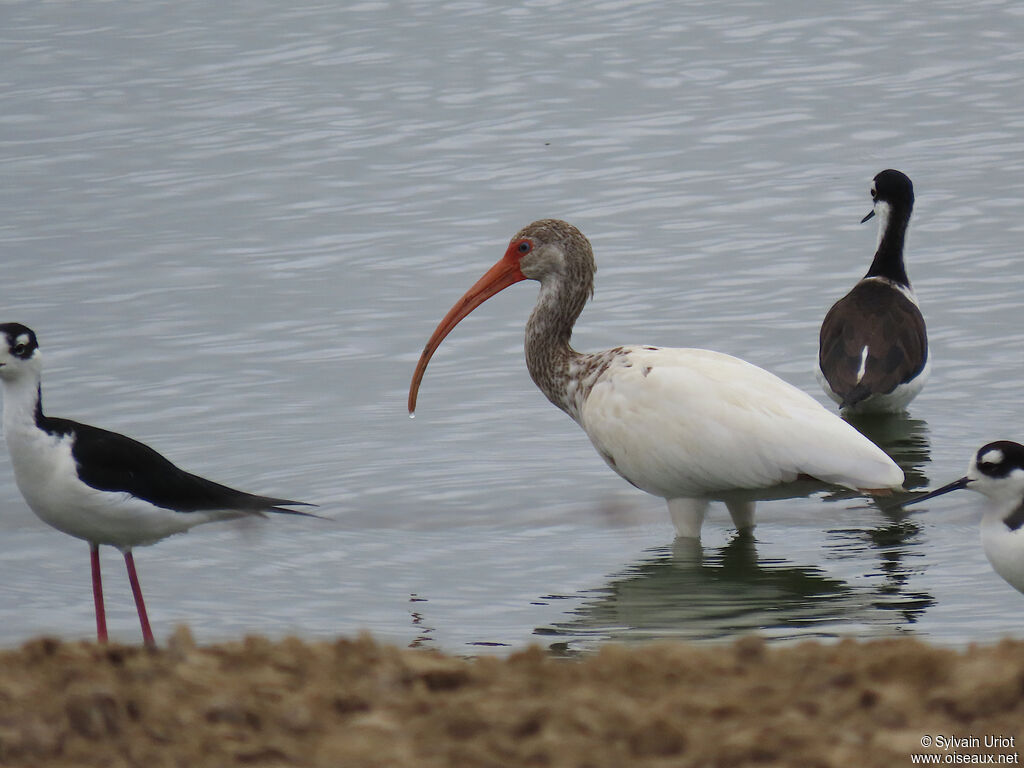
693	423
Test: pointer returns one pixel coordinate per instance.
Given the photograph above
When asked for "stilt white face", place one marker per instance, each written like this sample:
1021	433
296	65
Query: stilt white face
883	211
998	476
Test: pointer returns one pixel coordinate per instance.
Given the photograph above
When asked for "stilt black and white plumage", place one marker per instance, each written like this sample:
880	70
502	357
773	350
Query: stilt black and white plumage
873	347
101	486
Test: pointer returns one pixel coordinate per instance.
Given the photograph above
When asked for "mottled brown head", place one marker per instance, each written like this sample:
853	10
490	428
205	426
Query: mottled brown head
550	251
555	249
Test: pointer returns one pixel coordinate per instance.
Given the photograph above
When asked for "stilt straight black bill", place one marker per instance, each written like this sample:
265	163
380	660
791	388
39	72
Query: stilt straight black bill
956	485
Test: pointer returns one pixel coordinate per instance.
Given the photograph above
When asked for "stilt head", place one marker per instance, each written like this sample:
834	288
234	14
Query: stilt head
19	352
890	190
996	470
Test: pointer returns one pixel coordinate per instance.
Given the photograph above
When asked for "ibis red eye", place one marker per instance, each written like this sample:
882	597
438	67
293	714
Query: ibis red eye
524	247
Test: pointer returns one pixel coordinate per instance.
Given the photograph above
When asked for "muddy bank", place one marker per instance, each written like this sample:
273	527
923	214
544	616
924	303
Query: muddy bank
357	703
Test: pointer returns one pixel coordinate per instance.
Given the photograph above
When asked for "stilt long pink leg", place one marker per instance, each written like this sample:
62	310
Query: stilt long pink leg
133	579
97	594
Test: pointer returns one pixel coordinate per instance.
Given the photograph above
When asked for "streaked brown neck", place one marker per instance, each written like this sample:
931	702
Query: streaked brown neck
555	367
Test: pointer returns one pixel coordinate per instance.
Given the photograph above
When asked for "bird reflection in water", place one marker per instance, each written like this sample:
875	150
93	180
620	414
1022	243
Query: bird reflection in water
896	539
903	438
688	592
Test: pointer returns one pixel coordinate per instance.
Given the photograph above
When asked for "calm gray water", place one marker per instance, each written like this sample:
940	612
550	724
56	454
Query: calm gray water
234	225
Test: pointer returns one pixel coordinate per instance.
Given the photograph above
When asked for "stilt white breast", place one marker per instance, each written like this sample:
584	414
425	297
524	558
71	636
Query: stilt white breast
688	425
873	347
997	472
101	486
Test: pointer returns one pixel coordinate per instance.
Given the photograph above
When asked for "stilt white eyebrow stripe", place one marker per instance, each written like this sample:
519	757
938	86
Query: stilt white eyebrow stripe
995	456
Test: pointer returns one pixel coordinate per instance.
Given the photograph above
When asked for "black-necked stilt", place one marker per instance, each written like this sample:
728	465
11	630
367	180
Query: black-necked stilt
997	472
98	485
686	424
873	348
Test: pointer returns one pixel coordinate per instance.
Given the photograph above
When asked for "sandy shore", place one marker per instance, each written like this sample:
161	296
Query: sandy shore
357	703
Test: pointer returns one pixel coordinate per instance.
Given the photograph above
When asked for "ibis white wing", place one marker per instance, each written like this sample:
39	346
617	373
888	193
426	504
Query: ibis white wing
691	422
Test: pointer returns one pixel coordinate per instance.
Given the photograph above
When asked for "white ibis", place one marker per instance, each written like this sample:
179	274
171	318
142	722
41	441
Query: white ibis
997	472
688	425
873	348
100	486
